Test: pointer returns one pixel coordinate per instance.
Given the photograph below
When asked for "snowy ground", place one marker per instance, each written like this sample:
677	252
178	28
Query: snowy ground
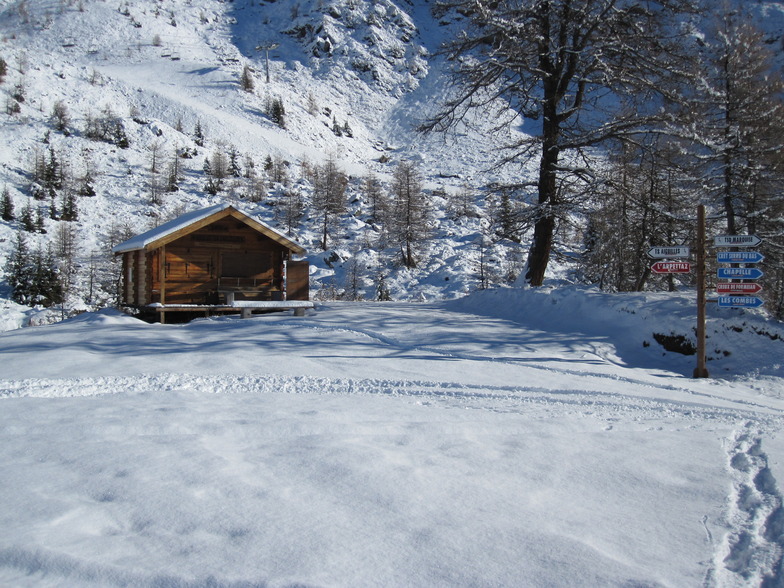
449	444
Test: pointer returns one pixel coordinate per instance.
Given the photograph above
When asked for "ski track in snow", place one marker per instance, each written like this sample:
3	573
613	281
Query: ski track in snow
450	394
581	373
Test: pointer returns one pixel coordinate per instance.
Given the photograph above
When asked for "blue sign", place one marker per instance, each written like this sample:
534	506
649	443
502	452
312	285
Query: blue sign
739	302
739	273
739	257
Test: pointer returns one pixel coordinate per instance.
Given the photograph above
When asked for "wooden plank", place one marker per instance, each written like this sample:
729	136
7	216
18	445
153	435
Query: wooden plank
162	260
297	280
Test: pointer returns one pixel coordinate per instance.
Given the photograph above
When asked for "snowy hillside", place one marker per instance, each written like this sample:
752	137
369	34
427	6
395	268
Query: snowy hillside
508	438
355	78
162	69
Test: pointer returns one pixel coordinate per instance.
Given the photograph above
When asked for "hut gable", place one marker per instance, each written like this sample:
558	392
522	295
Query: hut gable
195	220
211	257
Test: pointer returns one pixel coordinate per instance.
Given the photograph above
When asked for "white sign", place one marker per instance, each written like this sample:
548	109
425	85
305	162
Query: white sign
677	252
737	241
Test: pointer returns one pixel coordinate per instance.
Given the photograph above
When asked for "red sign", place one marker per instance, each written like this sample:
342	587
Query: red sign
671	267
738	288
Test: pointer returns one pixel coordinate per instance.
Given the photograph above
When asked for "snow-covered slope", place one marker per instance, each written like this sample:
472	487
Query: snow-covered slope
162	68
508	438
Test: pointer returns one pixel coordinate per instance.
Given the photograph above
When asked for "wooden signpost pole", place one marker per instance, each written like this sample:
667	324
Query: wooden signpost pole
701	370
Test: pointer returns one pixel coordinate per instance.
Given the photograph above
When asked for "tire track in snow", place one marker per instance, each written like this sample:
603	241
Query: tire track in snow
449	394
752	551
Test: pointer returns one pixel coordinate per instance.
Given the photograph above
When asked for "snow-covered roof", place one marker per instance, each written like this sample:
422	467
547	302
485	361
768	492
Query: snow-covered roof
182	223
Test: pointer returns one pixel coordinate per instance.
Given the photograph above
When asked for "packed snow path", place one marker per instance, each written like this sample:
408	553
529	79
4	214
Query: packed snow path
379	445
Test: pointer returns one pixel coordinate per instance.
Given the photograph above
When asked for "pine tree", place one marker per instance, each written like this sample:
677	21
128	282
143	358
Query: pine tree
382	290
18	270
53	174
504	217
336	128
276	111
27	219
70	210
45	288
246	79
40	225
54	214
235	170
198	134
6	205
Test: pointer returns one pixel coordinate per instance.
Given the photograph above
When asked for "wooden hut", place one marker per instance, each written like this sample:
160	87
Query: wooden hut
213	260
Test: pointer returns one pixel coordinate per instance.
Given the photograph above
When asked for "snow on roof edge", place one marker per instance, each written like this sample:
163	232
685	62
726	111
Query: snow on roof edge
144	239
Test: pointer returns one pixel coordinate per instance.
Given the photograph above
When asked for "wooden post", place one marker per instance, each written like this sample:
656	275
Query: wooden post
162	274
701	370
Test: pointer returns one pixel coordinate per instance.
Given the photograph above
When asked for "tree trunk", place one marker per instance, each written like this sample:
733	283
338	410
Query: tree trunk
324	232
539	253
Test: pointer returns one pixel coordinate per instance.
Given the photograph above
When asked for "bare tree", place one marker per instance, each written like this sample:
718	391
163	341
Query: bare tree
410	212
739	126
329	195
578	71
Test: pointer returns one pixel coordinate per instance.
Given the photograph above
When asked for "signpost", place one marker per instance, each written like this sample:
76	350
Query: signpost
738	288
736	241
677	252
739	302
739	273
739	257
701	369
731	294
671	267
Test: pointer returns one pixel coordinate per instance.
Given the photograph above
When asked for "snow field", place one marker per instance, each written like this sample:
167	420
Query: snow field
384	445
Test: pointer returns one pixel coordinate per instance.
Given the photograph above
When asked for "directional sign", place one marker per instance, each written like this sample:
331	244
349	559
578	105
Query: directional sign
739	257
737	241
677	252
738	288
739	273
671	267
739	302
